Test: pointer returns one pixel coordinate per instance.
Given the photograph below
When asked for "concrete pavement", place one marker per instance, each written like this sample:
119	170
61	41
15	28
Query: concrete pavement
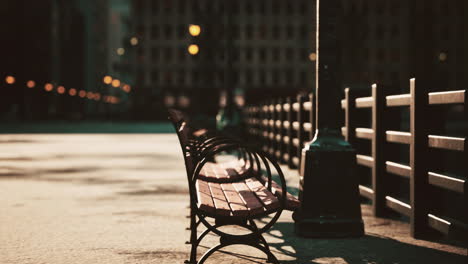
122	198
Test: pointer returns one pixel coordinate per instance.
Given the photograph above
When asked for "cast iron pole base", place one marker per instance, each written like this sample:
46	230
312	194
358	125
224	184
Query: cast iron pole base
329	190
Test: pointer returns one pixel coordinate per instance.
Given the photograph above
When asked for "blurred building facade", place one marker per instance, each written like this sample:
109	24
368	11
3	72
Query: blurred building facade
243	45
387	41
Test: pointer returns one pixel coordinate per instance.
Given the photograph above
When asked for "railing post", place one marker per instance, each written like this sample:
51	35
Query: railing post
350	109
265	126
281	134
418	158
300	130
312	116
378	143
272	111
289	132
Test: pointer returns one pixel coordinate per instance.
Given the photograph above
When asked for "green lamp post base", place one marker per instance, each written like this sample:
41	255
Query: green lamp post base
329	190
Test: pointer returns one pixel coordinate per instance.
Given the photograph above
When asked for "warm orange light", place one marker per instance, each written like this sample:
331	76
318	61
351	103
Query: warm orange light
443	56
107	79
82	93
48	87
10	79
134	41
194	30
116	83
90	95
72	92
31	84
127	88
97	97
61	90
313	56
193	49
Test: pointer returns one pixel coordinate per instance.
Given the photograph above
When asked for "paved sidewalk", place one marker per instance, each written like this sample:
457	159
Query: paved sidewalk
122	198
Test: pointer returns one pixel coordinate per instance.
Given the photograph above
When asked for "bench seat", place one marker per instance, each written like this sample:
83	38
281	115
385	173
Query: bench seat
224	172
247	198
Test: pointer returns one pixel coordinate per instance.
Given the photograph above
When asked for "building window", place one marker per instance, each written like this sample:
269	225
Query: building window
249	8
303	8
155	31
182	54
276	77
154	7
395	32
276	31
289	54
275	54
248	77
195	77
275	7
182	31
304	31
262	7
262	55
379	32
181	79
289	7
290	31
167	54
155	76
155	54
167	31
168	6
262	31
168	78
181	7
248	54
261	78
249	31
289	77
395	56
394	8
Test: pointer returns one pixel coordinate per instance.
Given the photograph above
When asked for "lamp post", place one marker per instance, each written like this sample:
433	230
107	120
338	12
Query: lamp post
329	195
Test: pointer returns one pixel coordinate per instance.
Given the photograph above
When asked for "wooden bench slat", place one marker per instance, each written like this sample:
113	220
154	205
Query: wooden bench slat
222	206
205	202
263	194
236	203
292	203
249	199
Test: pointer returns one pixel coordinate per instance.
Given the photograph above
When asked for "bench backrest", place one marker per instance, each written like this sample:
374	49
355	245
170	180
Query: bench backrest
179	121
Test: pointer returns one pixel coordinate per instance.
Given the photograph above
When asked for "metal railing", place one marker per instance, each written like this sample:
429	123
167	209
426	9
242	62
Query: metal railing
284	126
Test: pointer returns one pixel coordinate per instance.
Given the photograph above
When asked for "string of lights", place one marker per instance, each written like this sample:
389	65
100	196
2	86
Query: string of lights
79	93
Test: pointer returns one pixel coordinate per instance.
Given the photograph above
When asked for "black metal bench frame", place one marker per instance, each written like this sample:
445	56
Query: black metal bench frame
197	152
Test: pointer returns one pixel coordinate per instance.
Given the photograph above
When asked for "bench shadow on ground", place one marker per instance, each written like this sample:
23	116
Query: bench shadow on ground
367	249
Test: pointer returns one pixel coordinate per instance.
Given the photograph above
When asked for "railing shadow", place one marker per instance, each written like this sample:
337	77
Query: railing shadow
367	249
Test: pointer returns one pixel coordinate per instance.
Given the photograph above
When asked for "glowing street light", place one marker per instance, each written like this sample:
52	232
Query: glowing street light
82	93
31	84
134	41
107	79
10	79
48	87
313	56
115	83
72	92
194	30
193	49
61	90
120	51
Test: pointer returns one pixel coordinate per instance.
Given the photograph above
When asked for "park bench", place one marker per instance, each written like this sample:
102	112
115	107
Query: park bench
235	192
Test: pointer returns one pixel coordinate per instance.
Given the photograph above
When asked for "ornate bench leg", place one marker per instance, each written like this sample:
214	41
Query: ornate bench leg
270	256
